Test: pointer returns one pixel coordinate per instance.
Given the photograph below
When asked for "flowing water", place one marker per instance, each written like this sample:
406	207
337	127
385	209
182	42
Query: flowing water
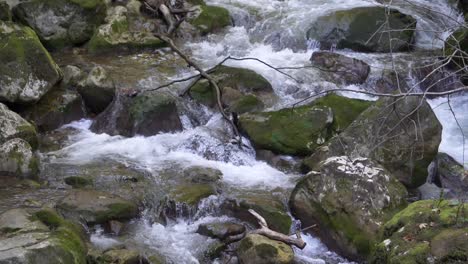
273	31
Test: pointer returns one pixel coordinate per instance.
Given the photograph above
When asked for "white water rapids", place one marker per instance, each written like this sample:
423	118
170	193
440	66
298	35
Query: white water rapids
264	29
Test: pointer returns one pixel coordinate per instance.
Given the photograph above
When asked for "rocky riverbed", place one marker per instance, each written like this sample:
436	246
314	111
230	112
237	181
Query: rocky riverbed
113	150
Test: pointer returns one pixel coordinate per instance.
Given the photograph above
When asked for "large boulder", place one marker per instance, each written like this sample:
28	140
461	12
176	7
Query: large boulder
242	90
257	249
27	70
402	134
365	29
94	207
42	237
56	108
18	159
146	114
124	30
349	199
97	90
14	126
340	68
300	130
426	231
61	23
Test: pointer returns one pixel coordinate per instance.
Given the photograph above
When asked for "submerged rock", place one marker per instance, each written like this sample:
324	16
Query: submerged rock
27	70
257	249
386	133
42	237
300	130
341	68
97	90
62	23
18	159
428	230
365	29
348	199
124	30
14	126
146	114
242	90
94	207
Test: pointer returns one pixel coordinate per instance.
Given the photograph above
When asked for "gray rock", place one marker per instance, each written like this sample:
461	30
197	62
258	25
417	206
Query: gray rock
451	175
97	90
5	12
14	126
220	230
17	159
27	70
348	198
62	23
340	68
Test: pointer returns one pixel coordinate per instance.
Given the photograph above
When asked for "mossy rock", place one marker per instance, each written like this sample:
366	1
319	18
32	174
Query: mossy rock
360	29
27	71
192	194
211	19
348	204
257	249
131	116
122	32
18	159
78	182
456	45
406	154
97	90
14	126
427	229
62	23
242	90
95	207
55	109
5	12
42	237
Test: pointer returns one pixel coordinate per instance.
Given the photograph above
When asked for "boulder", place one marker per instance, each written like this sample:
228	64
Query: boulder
14	126
257	249
5	12
42	237
123	256
391	82
146	114
349	199
18	159
386	133
456	45
365	29
61	23
300	130
55	109
27	70
94	207
340	68
97	90
123	30
451	175
242	90
211	19
434	78
220	230
425	230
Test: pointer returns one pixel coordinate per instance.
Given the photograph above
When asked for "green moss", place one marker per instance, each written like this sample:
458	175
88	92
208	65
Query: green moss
50	218
123	210
78	182
192	194
273	211
345	110
211	19
247	103
88	4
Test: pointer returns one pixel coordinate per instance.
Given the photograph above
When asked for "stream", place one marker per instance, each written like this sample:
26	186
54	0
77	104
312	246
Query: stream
273	31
